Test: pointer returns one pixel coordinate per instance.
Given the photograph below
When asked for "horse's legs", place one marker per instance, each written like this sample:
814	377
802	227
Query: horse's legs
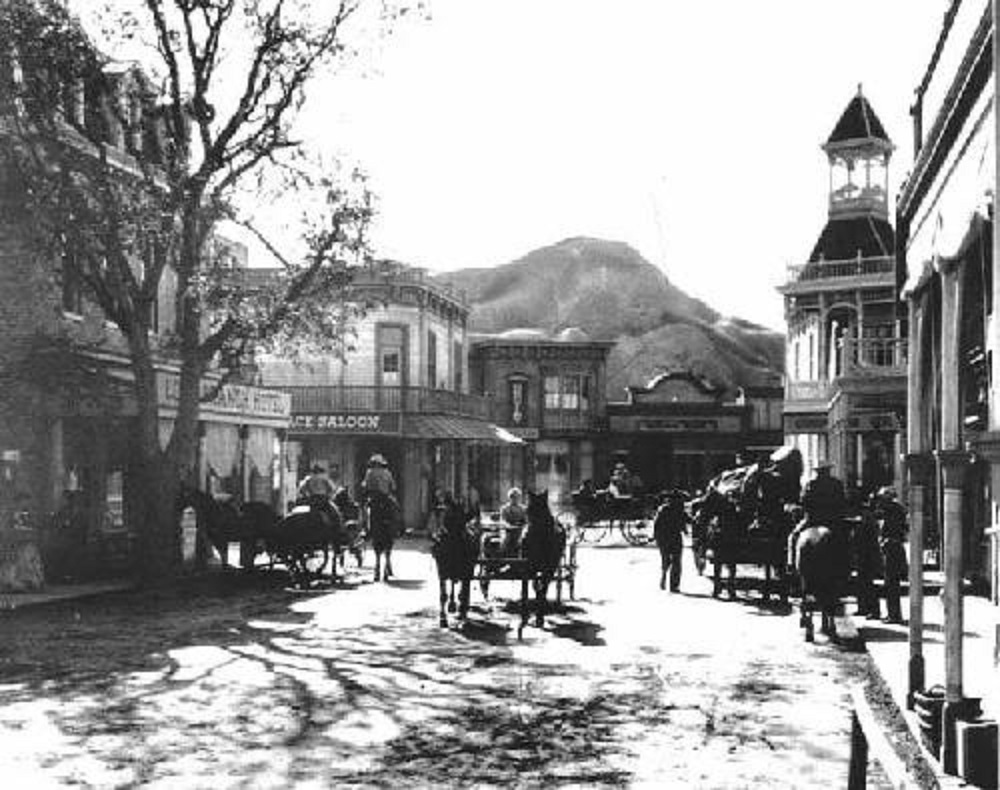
524	606
451	598
663	568
388	563
541	598
732	580
463	598
806	619
378	565
443	599
767	582
716	578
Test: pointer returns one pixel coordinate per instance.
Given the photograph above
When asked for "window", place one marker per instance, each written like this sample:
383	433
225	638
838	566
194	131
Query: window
551	392
391	349
72	285
457	365
569	393
518	400
432	359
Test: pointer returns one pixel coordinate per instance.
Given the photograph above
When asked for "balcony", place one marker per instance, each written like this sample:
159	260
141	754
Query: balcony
872	270
366	400
873	357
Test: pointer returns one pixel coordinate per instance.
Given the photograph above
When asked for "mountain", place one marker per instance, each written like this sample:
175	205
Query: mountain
611	292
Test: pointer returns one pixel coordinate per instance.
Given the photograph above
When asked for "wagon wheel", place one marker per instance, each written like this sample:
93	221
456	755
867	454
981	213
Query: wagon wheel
637	531
309	561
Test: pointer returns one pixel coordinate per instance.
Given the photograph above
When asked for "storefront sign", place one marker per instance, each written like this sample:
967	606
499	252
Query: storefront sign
879	421
231	398
676	426
346	423
809	424
523	433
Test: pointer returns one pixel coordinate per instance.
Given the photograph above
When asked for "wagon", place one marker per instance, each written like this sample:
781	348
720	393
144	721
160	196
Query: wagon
495	565
594	515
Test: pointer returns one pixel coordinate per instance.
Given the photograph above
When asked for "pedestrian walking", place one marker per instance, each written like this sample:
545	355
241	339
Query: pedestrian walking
669	525
891	517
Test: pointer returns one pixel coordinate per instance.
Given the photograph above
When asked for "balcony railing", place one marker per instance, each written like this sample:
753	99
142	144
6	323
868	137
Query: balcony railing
873	357
841	269
365	399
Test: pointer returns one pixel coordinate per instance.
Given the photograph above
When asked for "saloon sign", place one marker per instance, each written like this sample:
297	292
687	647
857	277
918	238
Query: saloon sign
343	423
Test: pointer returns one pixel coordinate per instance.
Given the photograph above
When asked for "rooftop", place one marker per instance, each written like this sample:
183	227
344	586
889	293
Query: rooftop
858	122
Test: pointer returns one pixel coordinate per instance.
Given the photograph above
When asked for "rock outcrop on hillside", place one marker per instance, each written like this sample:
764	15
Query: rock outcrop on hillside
612	293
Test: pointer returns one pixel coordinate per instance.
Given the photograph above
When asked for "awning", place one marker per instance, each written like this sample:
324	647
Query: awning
440	426
958	203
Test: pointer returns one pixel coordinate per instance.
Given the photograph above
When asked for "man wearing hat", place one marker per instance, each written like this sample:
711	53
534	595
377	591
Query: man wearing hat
891	517
669	525
317	484
378	477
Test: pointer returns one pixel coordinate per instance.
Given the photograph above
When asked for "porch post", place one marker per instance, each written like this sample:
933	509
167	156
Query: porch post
952	460
953	467
918	467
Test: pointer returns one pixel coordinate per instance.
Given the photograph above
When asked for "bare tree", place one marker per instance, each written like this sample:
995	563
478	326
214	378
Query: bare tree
127	172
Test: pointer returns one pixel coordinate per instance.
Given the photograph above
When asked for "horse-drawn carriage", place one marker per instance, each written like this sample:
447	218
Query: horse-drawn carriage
743	518
315	535
465	553
596	513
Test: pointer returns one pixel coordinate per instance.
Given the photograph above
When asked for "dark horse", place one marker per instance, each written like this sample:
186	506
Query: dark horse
219	521
542	546
822	559
384	524
455	548
305	537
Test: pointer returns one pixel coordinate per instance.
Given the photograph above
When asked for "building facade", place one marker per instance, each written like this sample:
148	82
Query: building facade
946	265
681	430
402	390
845	392
67	403
549	392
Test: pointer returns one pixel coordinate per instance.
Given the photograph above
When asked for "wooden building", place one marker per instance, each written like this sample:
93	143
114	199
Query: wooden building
845	393
946	268
681	430
402	390
549	392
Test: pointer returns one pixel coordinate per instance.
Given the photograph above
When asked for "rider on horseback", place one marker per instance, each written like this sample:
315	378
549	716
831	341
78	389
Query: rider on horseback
824	504
317	484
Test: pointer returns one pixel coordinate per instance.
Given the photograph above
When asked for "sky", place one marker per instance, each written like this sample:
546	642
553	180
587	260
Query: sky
689	130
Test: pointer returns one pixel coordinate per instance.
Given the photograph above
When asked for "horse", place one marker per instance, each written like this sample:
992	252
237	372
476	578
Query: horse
384	521
304	538
542	546
218	519
823	564
455	548
719	525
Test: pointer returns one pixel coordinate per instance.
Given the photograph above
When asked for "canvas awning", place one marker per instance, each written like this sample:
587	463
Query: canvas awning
958	203
441	426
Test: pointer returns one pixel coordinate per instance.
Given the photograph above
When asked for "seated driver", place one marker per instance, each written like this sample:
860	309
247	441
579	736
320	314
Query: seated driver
824	503
515	518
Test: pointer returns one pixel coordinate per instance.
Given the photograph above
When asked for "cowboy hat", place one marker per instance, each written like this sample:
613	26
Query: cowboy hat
377	460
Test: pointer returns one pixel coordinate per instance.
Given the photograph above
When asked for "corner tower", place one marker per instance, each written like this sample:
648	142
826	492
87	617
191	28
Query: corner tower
845	370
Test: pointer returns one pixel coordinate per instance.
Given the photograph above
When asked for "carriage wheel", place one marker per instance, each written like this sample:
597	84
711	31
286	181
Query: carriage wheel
638	532
567	520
